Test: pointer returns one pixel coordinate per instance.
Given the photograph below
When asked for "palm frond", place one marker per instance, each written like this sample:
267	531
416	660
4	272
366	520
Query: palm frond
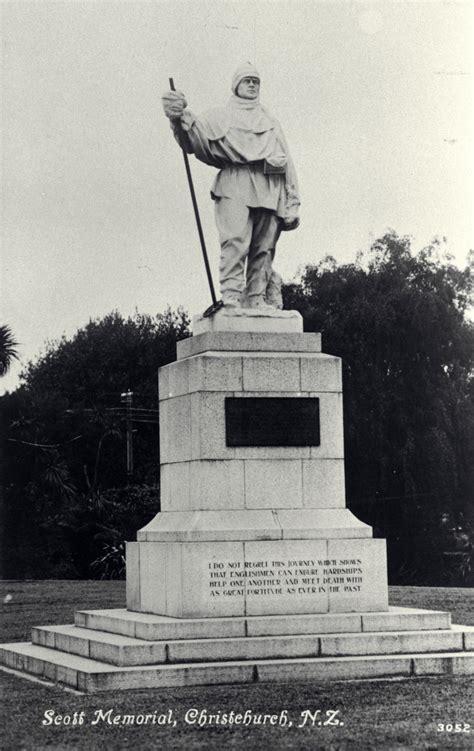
8	351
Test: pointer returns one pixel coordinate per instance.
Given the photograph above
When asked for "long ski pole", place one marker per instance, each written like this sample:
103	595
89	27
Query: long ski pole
216	305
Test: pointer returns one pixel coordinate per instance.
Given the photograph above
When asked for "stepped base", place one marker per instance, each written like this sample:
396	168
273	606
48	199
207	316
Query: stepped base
118	649
90	676
161	627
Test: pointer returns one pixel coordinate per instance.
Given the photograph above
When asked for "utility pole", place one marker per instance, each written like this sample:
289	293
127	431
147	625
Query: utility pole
128	412
127	399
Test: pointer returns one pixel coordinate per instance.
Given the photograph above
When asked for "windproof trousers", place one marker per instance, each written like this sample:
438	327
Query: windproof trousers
245	234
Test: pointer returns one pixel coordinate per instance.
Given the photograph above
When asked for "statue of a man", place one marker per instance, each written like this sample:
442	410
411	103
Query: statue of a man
255	190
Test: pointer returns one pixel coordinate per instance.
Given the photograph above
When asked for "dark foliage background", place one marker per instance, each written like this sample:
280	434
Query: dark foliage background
397	319
68	504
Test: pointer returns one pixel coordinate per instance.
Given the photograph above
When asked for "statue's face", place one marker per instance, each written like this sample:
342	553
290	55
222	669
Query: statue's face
248	88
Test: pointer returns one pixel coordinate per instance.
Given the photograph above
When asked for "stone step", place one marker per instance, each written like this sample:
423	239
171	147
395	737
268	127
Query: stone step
90	676
114	649
127	651
159	628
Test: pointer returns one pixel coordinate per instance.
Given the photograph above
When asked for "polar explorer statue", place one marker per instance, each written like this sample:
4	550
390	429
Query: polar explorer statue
255	191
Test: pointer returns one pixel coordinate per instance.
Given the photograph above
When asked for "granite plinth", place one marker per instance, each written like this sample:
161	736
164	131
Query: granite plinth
257	577
249	320
193	428
252	484
241	341
294	372
228	494
253	524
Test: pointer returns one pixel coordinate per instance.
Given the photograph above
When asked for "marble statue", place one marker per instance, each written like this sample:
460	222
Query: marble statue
255	191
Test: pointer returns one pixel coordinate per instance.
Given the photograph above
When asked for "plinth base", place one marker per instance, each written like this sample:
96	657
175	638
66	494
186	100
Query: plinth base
216	578
119	649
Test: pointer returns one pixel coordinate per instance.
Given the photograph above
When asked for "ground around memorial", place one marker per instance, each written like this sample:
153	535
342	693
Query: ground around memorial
371	715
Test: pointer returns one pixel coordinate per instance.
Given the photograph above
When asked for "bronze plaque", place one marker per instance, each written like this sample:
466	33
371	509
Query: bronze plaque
272	421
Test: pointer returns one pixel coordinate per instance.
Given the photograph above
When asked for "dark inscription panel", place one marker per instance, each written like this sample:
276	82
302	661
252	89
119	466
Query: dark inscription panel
272	421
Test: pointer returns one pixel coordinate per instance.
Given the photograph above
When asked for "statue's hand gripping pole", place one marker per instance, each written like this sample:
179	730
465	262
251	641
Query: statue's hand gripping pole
216	305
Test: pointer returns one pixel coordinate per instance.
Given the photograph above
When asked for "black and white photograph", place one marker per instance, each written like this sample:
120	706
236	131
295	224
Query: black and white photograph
237	375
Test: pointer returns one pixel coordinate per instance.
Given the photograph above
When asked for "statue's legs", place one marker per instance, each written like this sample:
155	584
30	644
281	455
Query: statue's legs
245	233
235	233
266	231
273	294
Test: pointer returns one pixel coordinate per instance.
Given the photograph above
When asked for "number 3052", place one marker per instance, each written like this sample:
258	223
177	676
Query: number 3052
453	727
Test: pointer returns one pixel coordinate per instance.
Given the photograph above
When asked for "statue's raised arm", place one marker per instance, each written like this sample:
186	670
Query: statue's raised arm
255	191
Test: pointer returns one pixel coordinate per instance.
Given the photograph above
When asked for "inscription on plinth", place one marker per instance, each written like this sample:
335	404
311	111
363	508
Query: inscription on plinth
288	577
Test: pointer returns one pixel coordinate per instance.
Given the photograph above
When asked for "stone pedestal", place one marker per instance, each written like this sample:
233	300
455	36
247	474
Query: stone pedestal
253	518
253	526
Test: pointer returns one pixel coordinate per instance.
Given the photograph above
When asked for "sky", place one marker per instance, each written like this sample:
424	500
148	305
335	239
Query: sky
375	99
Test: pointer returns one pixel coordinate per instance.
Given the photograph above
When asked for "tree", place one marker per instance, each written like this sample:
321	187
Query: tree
74	390
8	351
67	437
398	321
108	356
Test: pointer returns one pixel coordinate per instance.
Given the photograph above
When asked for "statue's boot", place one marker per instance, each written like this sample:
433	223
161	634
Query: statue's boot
258	302
231	301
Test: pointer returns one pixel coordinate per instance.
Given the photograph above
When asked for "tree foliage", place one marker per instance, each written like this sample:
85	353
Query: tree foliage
108	356
398	320
8	349
66	445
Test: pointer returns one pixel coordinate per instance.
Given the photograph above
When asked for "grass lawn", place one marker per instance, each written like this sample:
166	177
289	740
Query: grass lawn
372	715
